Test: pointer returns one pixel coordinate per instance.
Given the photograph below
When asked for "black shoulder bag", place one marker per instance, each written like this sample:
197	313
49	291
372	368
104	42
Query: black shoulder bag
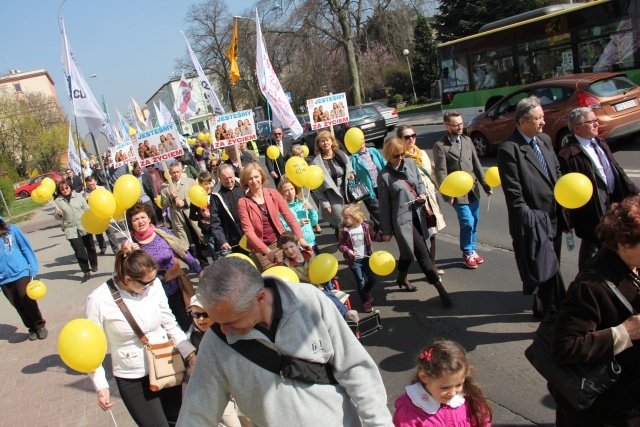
286	367
580	384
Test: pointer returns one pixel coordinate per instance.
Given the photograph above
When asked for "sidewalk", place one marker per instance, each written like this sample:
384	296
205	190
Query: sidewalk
37	388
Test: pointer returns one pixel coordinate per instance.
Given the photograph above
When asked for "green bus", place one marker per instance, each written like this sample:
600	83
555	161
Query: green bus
549	42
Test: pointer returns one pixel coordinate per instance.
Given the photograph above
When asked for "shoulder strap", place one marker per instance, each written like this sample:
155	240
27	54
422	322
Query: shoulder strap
410	188
127	314
613	288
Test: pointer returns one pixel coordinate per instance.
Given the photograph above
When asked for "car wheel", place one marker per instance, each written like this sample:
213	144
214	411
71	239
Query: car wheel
24	194
481	144
562	138
390	128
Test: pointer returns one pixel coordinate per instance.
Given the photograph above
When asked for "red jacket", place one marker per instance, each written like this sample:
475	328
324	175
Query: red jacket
251	219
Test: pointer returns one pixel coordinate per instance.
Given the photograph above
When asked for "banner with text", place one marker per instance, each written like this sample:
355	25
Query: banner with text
328	111
156	145
122	154
233	128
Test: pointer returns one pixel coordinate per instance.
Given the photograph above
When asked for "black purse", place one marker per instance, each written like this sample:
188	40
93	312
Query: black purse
580	384
357	191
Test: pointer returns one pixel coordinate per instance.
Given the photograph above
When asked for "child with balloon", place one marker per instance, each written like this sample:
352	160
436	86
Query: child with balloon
301	208
18	264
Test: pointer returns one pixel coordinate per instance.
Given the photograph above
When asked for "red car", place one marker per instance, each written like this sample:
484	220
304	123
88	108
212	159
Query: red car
25	190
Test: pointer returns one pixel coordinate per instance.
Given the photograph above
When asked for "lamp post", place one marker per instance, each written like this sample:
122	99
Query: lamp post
406	55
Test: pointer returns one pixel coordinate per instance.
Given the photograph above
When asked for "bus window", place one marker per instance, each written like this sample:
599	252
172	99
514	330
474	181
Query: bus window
493	68
455	75
612	49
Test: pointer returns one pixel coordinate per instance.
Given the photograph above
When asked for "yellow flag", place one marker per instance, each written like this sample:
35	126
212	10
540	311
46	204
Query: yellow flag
232	55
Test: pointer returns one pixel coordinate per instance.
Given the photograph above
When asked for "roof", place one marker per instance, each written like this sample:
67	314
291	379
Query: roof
26	75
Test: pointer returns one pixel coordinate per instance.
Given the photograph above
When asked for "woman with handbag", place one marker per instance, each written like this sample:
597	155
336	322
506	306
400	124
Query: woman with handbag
594	326
338	171
149	319
427	173
259	214
167	250
367	163
402	190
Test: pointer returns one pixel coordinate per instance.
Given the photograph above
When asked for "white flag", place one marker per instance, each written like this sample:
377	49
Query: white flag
83	102
271	88
123	127
159	116
73	161
131	119
165	113
186	105
204	82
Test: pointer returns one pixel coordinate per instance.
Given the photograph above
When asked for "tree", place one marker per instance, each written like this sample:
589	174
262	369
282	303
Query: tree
425	61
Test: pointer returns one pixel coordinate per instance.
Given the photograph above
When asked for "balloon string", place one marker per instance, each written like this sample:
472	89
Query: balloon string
110	412
126	224
277	167
489	204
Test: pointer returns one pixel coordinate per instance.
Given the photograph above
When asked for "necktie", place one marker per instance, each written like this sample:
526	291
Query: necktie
543	162
606	167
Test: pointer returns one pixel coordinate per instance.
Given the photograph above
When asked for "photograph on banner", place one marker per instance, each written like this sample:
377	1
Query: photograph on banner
233	128
122	154
328	111
156	145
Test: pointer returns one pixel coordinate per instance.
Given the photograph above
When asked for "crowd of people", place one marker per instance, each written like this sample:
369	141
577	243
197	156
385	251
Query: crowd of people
302	331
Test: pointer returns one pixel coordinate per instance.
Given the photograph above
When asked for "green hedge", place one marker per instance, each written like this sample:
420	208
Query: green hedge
6	186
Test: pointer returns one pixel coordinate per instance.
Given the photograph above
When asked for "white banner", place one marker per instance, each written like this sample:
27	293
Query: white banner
73	161
161	143
233	128
122	154
166	114
328	110
204	82
272	90
187	107
159	117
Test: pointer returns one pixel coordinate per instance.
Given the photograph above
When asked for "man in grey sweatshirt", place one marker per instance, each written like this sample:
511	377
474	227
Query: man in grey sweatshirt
295	320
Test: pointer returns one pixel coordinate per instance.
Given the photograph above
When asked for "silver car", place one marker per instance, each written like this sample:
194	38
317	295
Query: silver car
390	114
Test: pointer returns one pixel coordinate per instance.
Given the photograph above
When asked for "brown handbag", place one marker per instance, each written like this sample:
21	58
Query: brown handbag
166	367
432	220
186	287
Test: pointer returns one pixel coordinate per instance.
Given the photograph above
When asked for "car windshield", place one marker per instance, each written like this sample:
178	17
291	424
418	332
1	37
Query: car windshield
611	87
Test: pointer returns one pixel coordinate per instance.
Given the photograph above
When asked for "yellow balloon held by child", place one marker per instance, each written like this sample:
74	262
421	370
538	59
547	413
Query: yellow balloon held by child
198	196
382	263
282	272
36	290
305	151
323	268
573	190
492	177
457	184
82	345
273	152
296	170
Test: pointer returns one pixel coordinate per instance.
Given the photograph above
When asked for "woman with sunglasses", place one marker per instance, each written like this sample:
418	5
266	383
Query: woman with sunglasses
403	197
141	291
167	250
428	176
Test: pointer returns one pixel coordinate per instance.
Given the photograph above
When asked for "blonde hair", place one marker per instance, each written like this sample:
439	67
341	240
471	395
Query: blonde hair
246	175
324	135
286	180
392	147
297	150
354	212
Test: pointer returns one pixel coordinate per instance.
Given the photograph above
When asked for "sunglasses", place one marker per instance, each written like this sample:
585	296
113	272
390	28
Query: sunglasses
408	137
199	315
397	156
145	285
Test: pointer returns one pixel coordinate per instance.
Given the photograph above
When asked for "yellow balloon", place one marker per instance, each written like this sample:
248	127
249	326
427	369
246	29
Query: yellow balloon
315	177
305	151
119	214
282	272
102	203
353	139
159	202
457	184
198	196
127	191
48	183
199	151
225	156
93	224
243	243
273	152
37	197
382	263
201	136
191	141
244	257
573	190
82	345
45	192
132	131
296	170
36	289
323	268
492	177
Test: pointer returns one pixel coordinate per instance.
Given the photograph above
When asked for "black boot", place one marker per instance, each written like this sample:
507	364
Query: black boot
444	296
404	283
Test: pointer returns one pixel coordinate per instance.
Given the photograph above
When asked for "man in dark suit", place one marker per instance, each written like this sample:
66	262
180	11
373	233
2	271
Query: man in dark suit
455	152
276	167
74	181
225	221
529	171
590	155
148	194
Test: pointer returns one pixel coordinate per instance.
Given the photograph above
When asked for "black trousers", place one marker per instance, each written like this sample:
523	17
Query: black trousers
28	310
179	310
150	408
111	236
84	249
423	257
551	293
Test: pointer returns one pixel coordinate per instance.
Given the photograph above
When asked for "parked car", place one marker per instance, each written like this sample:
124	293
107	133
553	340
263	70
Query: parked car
390	114
369	120
264	134
613	97
25	190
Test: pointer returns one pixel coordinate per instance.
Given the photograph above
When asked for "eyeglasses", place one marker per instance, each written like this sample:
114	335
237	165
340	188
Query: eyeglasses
145	285
397	156
590	122
276	134
199	315
408	137
459	125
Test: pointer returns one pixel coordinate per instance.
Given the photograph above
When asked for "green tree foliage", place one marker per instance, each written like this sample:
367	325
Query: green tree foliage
6	186
425	62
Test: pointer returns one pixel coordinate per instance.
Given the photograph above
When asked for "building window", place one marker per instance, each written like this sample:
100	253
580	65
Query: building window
17	88
199	127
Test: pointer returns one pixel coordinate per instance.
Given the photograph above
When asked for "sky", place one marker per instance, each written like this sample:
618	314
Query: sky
131	45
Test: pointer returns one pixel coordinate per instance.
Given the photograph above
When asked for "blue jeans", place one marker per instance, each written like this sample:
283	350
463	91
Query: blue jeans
468	217
341	307
362	272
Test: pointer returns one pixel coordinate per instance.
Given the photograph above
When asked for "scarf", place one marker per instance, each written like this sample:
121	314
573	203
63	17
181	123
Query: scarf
144	236
415	155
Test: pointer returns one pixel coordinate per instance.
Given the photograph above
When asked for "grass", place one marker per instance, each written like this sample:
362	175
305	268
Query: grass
419	108
24	209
